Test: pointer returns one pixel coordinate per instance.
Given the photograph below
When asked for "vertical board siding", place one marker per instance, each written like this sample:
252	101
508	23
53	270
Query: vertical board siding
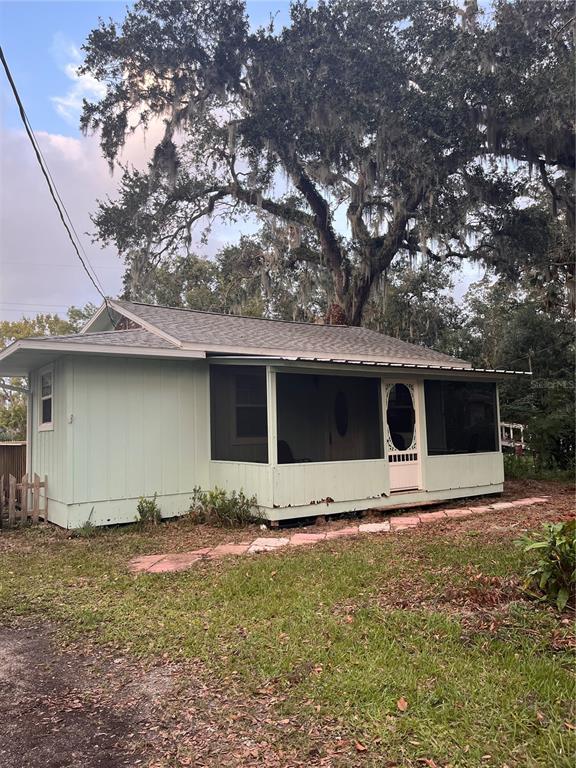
253	479
302	484
465	470
49	448
138	428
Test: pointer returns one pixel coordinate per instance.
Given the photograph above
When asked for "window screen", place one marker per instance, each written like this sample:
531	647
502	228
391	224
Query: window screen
238	413
327	418
460	417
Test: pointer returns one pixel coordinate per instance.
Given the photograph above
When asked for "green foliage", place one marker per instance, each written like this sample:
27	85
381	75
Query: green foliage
553	578
252	278
86	531
225	510
413	303
148	510
510	328
387	121
13	404
526	468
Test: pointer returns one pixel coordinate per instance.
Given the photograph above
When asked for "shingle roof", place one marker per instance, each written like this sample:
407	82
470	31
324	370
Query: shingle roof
248	335
128	338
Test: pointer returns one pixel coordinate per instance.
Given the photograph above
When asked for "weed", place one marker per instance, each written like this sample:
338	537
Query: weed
226	510
88	530
148	510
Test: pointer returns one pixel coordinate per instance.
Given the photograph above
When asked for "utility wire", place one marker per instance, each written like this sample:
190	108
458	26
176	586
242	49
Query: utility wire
61	208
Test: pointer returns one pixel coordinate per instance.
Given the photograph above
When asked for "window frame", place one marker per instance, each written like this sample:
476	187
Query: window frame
334	375
241	439
496	405
45	426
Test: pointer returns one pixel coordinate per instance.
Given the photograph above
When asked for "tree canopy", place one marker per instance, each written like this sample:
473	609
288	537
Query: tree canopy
368	130
13	403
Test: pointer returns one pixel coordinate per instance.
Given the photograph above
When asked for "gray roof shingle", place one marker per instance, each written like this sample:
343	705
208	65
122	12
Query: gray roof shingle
238	334
128	338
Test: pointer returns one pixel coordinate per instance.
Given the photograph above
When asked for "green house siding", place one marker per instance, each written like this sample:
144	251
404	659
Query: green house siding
49	448
123	429
128	427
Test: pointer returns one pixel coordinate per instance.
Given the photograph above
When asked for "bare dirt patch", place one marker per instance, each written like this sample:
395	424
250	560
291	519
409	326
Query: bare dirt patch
53	707
82	707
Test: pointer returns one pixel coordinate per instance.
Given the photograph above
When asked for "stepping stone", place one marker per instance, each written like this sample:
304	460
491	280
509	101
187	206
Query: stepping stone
426	517
222	550
342	532
459	512
174	563
538	500
142	563
480	510
267	545
502	505
404	521
201	552
374	527
306	538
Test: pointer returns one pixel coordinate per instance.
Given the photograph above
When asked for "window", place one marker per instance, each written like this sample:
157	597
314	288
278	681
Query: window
328	418
238	413
46	406
251	408
401	417
460	417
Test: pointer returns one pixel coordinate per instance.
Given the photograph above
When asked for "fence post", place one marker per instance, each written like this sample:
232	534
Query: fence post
36	499
45	498
11	500
24	499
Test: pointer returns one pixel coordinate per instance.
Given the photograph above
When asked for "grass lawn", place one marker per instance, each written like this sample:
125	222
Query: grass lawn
335	635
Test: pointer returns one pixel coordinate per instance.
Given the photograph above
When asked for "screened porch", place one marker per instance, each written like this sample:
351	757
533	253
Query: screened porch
301	437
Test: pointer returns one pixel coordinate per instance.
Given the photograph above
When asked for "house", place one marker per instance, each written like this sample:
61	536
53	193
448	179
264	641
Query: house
309	418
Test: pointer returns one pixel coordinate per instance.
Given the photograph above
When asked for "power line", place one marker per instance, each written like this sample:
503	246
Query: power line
61	208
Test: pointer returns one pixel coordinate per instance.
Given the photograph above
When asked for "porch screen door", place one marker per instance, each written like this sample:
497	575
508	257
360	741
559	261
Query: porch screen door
401	439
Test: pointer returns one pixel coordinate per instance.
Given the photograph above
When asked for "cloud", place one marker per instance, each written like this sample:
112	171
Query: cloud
39	270
69	57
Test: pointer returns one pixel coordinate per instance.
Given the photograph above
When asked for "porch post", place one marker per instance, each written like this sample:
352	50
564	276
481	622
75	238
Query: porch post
29	425
498	430
271	415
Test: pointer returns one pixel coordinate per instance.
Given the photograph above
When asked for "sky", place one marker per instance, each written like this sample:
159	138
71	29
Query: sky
39	271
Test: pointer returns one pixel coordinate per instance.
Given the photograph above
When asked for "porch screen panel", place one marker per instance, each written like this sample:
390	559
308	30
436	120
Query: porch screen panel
238	413
461	417
327	418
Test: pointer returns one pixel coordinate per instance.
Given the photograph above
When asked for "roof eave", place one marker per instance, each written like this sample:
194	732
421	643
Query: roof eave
432	368
23	356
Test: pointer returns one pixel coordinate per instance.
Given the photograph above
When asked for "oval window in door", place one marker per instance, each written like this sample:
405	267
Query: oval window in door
400	417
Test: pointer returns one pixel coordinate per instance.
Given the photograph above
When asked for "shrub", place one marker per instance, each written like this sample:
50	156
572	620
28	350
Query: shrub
226	510
148	510
554	576
525	468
